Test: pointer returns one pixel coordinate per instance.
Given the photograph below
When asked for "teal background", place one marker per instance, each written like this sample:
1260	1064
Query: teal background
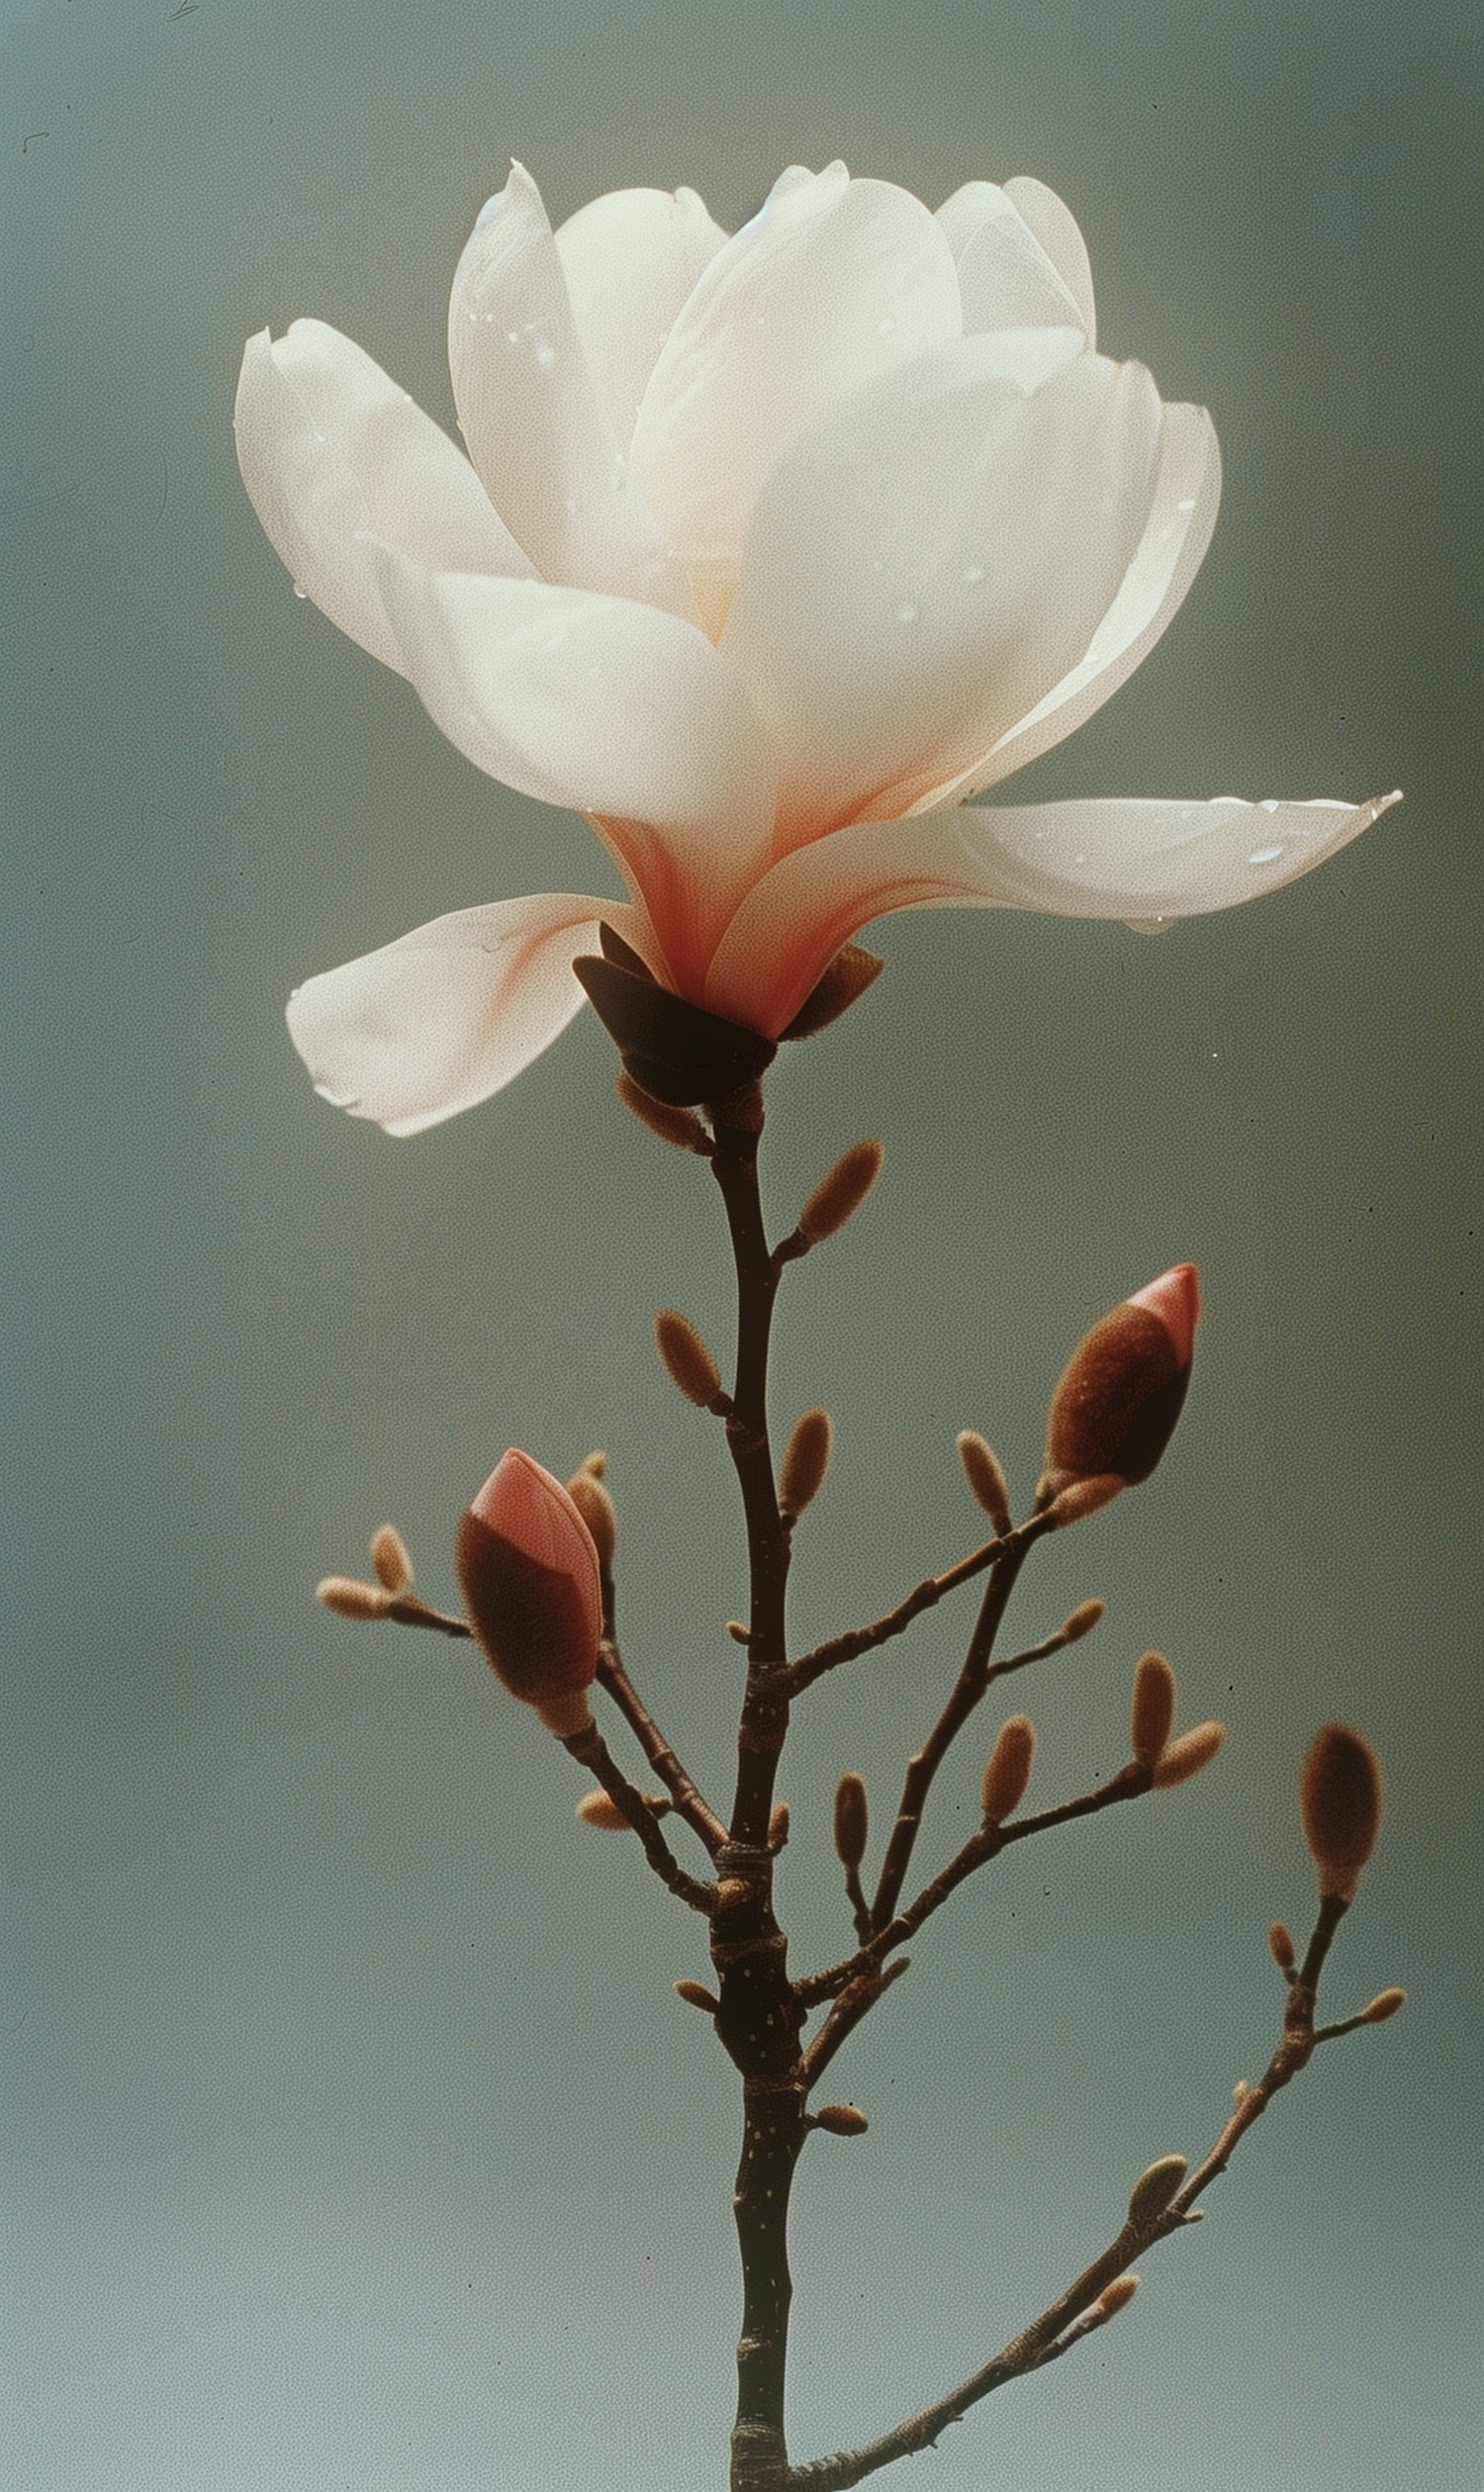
355	2135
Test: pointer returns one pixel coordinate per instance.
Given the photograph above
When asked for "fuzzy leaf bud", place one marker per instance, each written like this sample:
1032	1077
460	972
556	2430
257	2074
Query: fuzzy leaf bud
696	1995
672	1125
1384	2004
1152	1712
836	1197
1188	1754
778	1825
1117	2296
807	1459
986	1474
1114	1410
352	1600
1009	1770
390	1560
1339	1802
1153	2189
531	1578
1084	1617
598	1511
691	1364
840	2119
852	1820
1281	1948
597	1808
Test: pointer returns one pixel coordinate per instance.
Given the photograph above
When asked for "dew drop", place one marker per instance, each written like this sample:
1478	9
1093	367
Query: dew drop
1265	855
974	573
300	591
906	612
546	355
1270	804
1187	505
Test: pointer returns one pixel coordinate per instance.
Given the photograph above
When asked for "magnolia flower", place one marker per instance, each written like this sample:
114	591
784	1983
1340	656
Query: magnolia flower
768	552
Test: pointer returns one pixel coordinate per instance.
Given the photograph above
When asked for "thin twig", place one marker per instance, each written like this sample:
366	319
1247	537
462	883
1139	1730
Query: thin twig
590	1749
689	1803
924	1596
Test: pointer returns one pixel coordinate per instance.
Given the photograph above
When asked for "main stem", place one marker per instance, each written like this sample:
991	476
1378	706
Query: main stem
760	2018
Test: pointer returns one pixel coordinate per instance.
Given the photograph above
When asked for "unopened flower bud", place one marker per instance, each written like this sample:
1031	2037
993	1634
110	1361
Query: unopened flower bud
1009	1770
841	1193
1384	2004
1117	2296
390	1559
1114	1410
986	1474
840	2119
852	1820
1281	1947
597	1509
686	1357
807	1459
1339	1802
530	1578
1153	2189
1152	1712
1084	1617
1188	1754
696	1995
352	1600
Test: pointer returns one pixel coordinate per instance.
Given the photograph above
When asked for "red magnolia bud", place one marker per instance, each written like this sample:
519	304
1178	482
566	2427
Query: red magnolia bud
530	1571
1340	1803
1114	1410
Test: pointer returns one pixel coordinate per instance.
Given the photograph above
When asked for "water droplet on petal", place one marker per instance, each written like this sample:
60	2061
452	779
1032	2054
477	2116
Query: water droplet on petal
1270	804
1265	855
974	573
300	591
906	612
1187	505
546	355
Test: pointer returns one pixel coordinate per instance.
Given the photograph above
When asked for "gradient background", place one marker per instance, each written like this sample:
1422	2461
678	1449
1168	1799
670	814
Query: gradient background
357	2138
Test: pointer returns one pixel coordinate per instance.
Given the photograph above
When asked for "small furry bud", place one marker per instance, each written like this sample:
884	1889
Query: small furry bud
805	1462
1083	1620
691	1364
1083	1497
986	1474
350	1600
1009	1770
672	1125
852	1820
1188	1754
1281	1947
598	1511
1340	1803
696	1995
737	1631
1384	2004
595	1809
777	1827
1151	1714
1153	2189
390	1559
1117	2296
842	2119
841	1193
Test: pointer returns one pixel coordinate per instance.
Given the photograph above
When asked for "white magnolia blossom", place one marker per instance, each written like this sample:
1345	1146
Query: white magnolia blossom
764	552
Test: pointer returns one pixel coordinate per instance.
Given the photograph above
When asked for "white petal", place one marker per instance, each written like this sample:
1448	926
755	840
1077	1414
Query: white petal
1006	277
614	708
926	566
329	447
831	284
631	260
1061	237
532	418
1182	513
1141	859
443	1017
